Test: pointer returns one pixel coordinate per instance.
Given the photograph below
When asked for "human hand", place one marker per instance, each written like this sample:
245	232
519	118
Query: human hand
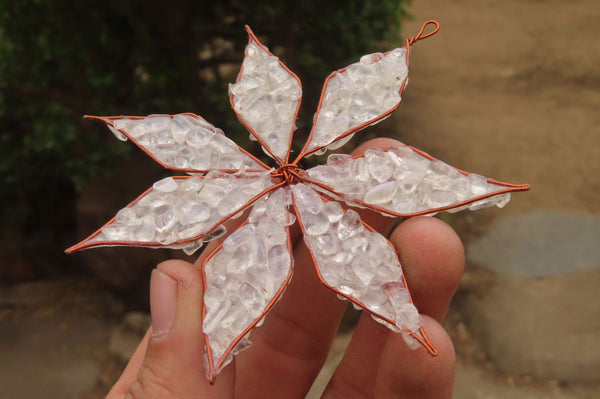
291	346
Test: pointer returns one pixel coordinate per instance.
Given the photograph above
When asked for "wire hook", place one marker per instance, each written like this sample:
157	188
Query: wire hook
420	35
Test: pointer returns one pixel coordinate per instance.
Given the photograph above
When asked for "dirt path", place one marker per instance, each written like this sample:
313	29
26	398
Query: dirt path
510	90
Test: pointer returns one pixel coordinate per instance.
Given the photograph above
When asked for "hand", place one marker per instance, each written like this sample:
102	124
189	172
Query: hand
290	347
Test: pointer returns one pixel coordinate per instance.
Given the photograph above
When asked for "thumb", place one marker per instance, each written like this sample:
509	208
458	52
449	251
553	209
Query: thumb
173	366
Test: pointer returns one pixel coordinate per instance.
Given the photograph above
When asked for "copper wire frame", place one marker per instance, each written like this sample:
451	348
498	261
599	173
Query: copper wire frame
509	188
287	173
108	120
253	38
423	341
85	244
219	364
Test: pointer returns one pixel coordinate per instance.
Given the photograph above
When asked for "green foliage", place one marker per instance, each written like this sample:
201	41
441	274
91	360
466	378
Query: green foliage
60	59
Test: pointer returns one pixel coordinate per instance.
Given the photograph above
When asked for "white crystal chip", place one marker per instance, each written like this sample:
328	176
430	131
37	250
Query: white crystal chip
355	261
266	97
184	142
245	277
400	181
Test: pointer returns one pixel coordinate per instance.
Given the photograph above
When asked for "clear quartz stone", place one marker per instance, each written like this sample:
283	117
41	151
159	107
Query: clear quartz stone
192	248
166	185
127	216
382	193
116	232
333	211
118	134
348	224
479	185
315	224
164	218
502	200
146	231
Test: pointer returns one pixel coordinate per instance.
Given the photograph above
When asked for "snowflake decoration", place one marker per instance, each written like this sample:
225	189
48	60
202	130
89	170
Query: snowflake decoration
246	274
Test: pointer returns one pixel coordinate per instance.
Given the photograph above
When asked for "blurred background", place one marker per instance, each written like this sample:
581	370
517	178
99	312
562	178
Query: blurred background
509	90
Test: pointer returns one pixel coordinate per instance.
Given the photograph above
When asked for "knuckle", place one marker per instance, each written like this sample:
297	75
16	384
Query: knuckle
151	383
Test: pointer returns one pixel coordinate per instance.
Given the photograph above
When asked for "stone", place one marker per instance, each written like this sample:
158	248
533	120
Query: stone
539	244
535	308
166	185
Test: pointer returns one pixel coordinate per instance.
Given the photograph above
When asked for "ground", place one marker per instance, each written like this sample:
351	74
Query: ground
508	89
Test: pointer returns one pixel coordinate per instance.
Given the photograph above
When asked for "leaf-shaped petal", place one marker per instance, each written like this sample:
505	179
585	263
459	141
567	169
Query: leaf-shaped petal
177	212
244	278
183	142
357	96
266	98
355	261
403	181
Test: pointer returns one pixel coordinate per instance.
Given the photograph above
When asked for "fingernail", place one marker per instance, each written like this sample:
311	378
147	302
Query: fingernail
163	302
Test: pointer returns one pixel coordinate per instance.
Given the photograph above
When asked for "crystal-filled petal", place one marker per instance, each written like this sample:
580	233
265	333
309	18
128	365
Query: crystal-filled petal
403	181
266	98
177	212
183	142
357	262
358	96
243	279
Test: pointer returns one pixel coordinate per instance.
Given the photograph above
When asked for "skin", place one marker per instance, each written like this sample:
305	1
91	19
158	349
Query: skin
291	346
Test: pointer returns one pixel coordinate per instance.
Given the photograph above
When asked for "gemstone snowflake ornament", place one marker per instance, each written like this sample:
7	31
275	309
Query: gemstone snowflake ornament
246	274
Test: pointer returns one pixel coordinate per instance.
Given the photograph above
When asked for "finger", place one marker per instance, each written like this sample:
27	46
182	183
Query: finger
356	374
407	373
433	260
131	371
357	371
173	363
380	142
